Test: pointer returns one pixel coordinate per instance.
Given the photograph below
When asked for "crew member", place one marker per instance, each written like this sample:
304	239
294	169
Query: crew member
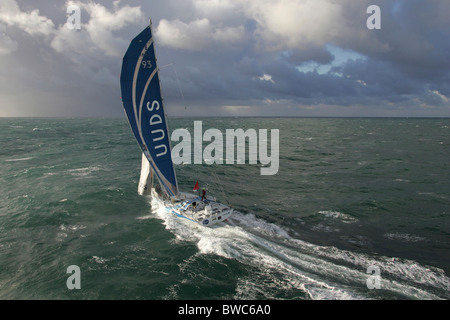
203	195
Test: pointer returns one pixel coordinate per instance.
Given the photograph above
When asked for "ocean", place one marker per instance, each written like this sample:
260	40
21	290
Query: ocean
359	209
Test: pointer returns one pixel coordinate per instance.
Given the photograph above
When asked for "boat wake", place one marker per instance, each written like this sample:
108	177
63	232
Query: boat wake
286	264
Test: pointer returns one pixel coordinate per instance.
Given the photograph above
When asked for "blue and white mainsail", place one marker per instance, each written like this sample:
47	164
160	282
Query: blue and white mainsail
144	106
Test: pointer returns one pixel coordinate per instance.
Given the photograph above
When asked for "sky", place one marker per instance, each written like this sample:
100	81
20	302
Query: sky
230	57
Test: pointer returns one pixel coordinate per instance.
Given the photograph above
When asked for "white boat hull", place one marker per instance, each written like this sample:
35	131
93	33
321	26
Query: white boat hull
206	212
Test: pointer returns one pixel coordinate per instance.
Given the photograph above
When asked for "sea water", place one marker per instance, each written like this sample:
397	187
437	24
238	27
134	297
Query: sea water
359	209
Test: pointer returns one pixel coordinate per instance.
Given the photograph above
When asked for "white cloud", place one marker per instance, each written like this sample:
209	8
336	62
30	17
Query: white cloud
30	22
7	45
296	23
440	95
279	25
217	9
196	35
97	35
102	23
266	77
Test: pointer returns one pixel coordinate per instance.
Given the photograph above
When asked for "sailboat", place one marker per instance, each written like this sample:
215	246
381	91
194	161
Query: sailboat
144	106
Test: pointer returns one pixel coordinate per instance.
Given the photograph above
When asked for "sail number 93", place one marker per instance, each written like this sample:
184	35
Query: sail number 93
146	64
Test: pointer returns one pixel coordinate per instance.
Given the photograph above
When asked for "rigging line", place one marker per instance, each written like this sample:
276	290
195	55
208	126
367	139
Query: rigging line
178	79
213	175
218	183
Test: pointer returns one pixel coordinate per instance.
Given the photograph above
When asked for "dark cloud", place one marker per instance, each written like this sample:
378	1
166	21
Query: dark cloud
231	57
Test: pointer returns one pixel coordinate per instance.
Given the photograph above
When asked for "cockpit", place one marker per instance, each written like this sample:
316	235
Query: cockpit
194	205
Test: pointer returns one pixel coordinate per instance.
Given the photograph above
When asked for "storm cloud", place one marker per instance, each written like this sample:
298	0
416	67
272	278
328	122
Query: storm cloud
230	57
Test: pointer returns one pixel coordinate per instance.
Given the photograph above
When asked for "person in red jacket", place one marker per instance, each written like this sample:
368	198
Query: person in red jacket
203	194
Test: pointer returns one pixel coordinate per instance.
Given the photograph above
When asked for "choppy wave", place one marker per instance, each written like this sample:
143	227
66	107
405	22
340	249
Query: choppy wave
342	202
338	215
83	172
404	237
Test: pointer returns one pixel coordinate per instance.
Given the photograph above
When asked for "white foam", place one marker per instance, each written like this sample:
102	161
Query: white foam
402	180
61	236
404	237
83	172
398	275
99	260
244	239
75	227
20	159
338	215
286	263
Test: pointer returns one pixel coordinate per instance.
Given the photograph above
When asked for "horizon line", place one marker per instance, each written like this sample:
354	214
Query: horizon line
232	117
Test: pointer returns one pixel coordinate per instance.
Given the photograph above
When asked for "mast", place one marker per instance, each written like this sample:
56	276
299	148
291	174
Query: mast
163	103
